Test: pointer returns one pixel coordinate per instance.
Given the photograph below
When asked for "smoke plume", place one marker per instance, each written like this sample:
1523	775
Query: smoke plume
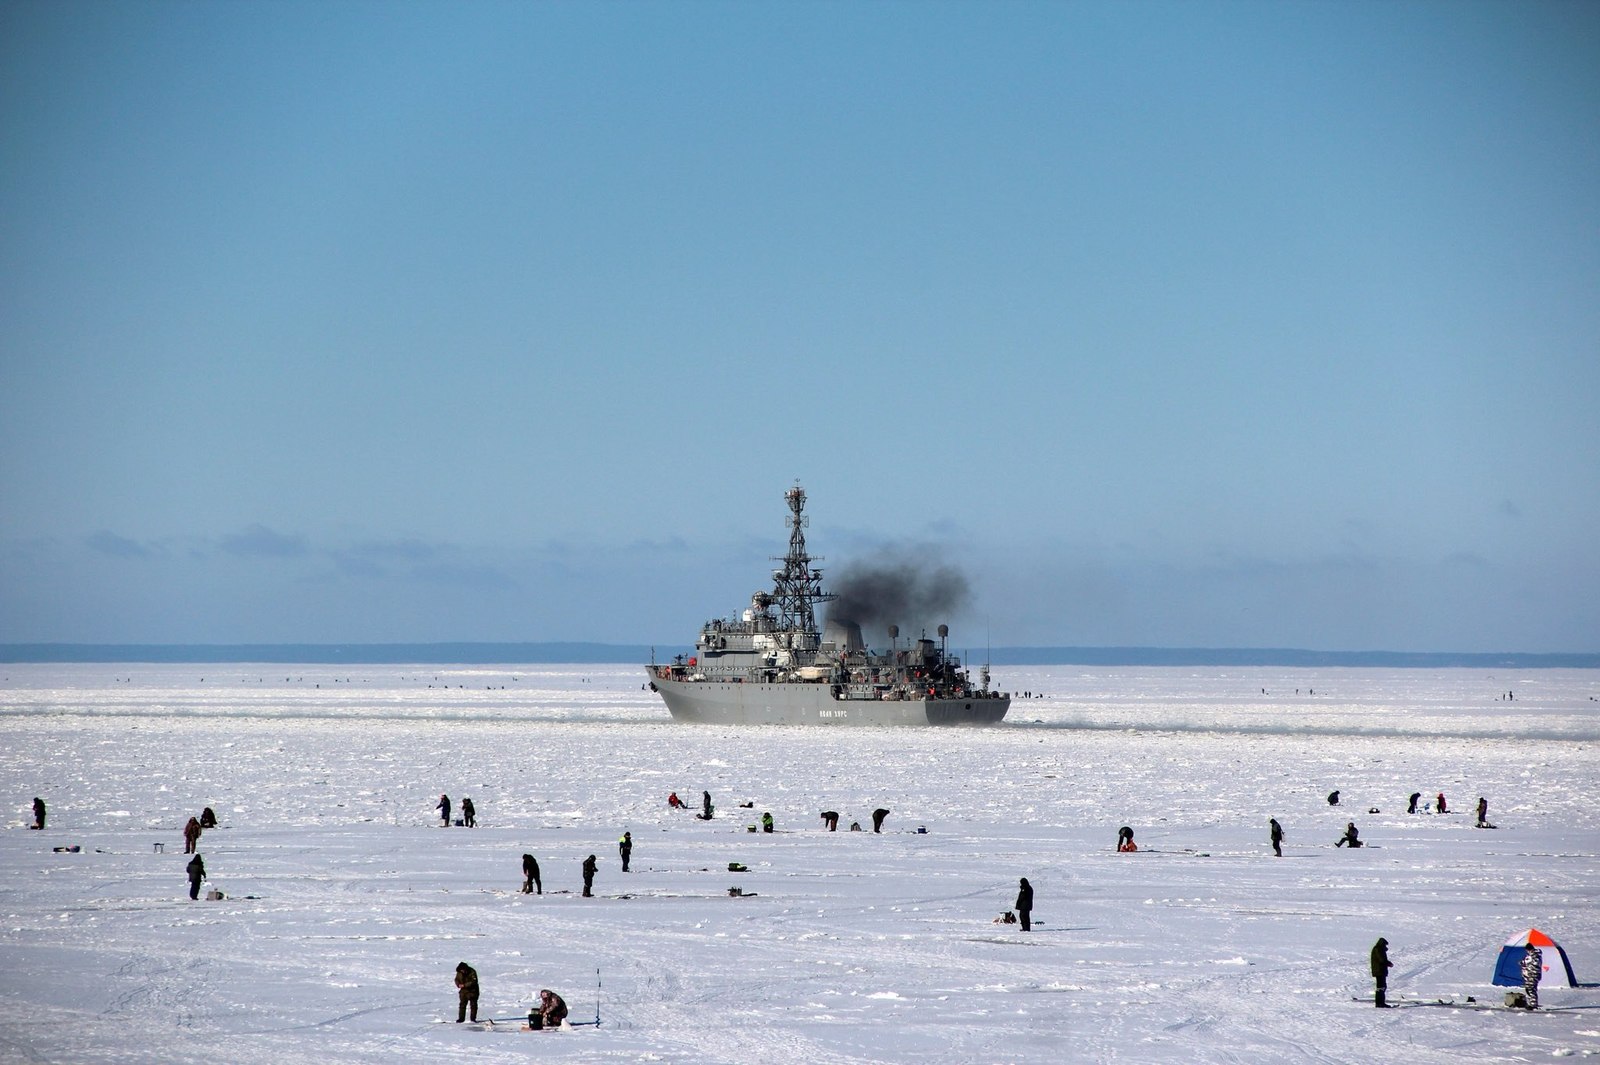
913	593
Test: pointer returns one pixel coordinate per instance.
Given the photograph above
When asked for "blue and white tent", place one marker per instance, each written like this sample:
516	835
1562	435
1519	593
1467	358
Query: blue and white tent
1508	969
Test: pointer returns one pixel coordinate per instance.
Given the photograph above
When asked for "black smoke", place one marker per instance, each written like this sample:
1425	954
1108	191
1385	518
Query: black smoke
913	593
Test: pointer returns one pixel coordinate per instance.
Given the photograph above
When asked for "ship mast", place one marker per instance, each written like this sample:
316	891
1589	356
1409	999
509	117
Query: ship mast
796	588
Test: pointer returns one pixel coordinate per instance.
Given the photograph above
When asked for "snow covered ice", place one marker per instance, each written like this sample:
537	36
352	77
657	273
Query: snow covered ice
347	906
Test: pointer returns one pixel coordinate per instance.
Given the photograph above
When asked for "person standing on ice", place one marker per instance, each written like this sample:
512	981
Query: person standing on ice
197	872
705	806
466	992
589	868
444	809
1277	835
830	819
469	813
38	813
625	849
191	836
530	875
1024	905
1532	969
1380	971
1483	812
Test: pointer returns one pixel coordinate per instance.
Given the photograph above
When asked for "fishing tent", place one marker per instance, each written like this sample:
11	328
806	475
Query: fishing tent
1508	969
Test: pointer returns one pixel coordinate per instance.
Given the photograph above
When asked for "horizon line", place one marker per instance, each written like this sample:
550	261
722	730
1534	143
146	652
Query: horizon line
486	652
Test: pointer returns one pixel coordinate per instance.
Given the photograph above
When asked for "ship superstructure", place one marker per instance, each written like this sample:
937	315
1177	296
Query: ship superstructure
771	664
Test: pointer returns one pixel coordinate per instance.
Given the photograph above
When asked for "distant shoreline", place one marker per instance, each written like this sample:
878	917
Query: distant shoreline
598	653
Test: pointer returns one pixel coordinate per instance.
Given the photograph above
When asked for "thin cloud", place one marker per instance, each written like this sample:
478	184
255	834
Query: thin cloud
258	541
109	543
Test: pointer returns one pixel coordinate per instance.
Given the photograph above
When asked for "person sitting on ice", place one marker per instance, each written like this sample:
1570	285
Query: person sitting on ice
1006	918
548	1012
1351	836
675	803
1124	837
208	818
766	821
1333	798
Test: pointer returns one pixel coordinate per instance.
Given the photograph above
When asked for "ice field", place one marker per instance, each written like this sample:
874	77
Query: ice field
347	905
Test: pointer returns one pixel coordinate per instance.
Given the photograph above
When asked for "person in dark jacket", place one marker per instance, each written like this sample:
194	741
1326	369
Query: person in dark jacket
208	818
1125	839
551	1012
705	806
877	819
1483	812
1333	798
530	875
1415	795
1024	904
625	849
197	872
469	814
444	809
589	867
191	836
1276	831
830	818
1351	836
38	813
1380	971
466	991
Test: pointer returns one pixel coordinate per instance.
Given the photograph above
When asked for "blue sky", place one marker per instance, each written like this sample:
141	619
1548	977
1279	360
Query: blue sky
1196	324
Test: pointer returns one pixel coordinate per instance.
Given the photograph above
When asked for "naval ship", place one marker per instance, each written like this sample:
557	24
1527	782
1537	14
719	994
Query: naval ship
771	666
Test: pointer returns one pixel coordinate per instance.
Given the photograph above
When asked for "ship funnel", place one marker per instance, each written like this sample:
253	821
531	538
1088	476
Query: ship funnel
844	635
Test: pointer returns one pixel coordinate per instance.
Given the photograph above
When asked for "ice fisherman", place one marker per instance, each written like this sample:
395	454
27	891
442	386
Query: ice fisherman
877	819
38	813
766	821
466	991
1276	831
675	803
469	814
1380	971
530	876
1024	905
625	849
1415	795
1441	806
830	818
444	809
1483	812
197	872
191	836
589	867
1532	969
1333	798
1125	842
550	1011
705	806
1351	836
208	818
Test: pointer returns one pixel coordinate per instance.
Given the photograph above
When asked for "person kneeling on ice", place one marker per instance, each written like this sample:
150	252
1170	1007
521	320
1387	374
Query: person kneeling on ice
548	1013
1351	836
466	991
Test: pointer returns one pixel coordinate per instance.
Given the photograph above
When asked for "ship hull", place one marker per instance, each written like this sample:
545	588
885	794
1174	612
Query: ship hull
725	703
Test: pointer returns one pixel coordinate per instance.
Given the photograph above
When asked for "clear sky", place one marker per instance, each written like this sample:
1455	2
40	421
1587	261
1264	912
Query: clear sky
1172	324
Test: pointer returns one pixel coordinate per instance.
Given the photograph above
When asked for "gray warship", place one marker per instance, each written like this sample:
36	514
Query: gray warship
771	666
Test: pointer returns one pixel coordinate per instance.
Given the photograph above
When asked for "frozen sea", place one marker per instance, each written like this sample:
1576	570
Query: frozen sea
347	905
